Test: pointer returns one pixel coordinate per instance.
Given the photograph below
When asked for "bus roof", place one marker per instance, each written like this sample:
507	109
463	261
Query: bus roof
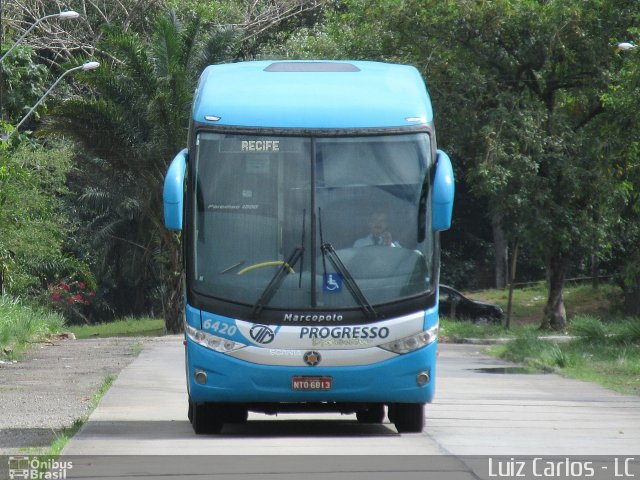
312	94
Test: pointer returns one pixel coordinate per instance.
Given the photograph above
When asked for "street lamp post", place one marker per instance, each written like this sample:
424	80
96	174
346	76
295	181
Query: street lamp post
84	67
65	15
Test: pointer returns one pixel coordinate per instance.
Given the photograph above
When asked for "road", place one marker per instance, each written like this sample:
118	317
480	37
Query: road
478	412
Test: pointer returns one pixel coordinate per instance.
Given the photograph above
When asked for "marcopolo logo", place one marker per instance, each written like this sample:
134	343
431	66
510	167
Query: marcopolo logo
319	317
35	468
262	334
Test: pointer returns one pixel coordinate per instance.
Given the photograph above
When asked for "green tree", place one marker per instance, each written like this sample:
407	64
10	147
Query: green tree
253	23
517	87
33	218
22	83
132	123
135	122
358	29
620	143
545	66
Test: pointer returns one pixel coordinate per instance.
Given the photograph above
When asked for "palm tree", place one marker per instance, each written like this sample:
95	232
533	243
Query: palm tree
135	122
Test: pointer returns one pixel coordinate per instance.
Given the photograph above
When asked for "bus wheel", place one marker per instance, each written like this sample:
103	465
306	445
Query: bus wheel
205	419
236	414
190	411
373	413
409	417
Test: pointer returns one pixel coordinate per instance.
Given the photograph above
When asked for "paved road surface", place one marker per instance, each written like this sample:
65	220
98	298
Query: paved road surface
475	413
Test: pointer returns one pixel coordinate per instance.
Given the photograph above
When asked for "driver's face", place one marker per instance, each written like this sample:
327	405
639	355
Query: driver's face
378	223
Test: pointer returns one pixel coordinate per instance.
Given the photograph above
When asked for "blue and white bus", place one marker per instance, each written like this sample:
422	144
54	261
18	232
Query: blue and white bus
310	198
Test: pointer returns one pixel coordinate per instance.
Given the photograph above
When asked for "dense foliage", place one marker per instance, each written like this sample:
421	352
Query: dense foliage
33	219
534	102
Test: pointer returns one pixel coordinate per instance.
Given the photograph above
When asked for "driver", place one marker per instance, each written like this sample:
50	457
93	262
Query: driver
378	232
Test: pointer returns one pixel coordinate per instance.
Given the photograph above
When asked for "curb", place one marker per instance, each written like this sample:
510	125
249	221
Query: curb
504	340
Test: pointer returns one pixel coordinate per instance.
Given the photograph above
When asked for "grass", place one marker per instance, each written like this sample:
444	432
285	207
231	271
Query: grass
127	327
22	324
528	308
605	348
603	353
528	303
455	330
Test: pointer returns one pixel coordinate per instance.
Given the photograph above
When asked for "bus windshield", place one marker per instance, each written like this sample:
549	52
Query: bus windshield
326	223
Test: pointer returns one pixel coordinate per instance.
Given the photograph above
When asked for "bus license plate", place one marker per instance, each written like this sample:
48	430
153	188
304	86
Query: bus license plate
311	383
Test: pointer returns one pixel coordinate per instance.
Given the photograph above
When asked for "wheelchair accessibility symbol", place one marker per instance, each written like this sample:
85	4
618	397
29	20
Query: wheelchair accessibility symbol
332	282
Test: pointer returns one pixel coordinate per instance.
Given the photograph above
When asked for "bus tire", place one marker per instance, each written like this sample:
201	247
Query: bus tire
409	417
205	419
373	413
237	414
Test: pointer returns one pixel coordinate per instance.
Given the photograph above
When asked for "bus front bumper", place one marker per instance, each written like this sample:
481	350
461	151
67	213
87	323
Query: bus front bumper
229	380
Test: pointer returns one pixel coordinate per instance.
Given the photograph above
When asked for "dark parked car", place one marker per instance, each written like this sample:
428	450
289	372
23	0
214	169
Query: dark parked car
454	304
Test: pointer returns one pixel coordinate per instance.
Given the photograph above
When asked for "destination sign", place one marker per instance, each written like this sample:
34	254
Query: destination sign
262	145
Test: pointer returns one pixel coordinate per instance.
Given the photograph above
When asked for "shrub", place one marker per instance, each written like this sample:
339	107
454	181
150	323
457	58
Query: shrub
630	331
21	323
588	328
72	298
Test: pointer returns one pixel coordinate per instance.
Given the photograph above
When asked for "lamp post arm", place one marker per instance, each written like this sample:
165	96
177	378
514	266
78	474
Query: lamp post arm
17	42
24	119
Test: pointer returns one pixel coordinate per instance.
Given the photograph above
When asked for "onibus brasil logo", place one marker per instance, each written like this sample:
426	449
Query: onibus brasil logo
35	468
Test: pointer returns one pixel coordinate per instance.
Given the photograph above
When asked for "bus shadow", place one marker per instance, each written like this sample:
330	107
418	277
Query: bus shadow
279	427
254	428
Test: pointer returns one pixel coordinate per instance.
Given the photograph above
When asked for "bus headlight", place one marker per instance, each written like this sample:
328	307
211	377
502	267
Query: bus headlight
413	342
212	342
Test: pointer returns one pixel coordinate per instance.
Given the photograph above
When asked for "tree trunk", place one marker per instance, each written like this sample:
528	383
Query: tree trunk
173	295
555	315
595	271
141	299
631	304
500	247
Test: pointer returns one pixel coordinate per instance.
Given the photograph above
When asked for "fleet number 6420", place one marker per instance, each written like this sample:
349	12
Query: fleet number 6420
219	327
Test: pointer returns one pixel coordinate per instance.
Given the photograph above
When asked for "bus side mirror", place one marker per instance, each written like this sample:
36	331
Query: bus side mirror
173	193
442	193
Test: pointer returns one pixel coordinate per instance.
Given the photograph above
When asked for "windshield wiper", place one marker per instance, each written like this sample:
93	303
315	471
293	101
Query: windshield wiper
278	277
276	281
328	251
